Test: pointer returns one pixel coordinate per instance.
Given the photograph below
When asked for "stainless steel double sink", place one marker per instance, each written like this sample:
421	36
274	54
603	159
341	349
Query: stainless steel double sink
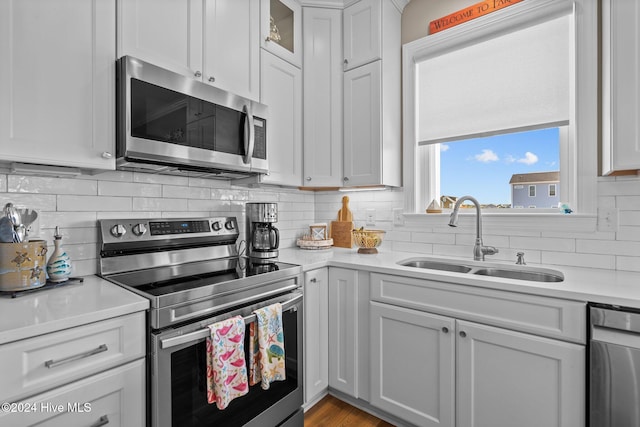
516	272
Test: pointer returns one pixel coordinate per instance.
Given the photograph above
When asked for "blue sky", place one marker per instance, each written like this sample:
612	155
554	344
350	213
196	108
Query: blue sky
482	167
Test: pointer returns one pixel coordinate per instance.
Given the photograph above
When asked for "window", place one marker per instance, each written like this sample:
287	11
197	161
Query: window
552	190
423	160
532	191
493	169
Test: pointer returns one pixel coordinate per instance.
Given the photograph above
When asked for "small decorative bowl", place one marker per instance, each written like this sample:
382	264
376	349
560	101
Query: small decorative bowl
367	240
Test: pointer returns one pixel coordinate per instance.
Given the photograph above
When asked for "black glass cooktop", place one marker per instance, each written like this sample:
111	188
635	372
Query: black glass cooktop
172	279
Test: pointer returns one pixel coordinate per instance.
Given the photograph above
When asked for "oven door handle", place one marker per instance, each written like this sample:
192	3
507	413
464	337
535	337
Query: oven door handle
204	333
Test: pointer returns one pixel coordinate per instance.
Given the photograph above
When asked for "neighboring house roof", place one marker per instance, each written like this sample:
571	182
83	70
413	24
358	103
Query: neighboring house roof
530	178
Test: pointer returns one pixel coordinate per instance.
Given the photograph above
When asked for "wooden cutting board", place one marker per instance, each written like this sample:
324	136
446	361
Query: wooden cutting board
341	229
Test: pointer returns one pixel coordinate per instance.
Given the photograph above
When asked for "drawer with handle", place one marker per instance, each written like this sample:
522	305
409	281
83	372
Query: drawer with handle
36	364
112	398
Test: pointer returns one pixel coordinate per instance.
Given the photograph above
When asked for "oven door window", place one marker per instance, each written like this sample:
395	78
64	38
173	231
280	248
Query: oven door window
189	405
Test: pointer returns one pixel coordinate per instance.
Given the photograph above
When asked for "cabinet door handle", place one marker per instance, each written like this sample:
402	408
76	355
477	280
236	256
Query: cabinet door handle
198	74
53	363
463	334
445	329
308	178
346	62
107	155
313	280
103	421
212	79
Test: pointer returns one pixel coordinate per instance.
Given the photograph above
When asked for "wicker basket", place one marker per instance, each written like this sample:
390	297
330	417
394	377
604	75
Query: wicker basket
367	240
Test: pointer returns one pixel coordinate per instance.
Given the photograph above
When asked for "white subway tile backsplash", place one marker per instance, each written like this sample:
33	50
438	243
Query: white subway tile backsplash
133	189
579	259
628	263
438	238
185	192
67	219
543	244
39	202
76	204
159	204
613	247
628	203
50	185
121	176
93	203
423	248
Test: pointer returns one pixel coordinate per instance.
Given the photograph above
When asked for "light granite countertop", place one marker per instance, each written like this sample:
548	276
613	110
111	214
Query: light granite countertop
51	310
580	284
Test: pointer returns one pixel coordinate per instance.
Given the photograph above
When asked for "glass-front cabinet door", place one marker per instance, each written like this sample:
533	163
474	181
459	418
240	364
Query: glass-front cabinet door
281	30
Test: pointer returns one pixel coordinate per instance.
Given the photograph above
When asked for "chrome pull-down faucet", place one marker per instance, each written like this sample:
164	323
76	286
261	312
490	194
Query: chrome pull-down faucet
479	251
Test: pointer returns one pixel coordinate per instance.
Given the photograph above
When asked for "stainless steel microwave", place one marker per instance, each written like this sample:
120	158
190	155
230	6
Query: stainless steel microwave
170	123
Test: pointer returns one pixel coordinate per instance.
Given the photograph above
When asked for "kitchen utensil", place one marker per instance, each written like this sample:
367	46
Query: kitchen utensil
367	240
6	230
19	233
345	214
341	229
28	218
12	213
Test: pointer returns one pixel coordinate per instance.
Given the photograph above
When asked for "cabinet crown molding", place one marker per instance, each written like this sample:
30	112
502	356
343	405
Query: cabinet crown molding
341	4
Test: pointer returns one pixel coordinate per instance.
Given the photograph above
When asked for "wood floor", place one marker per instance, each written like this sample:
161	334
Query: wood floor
332	412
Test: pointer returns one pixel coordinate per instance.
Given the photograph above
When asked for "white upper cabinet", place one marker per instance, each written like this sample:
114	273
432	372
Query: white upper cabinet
165	33
281	29
281	91
322	112
372	99
621	86
57	82
214	41
362	33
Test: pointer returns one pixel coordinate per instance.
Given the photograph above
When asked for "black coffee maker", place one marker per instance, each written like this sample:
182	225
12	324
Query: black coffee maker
263	238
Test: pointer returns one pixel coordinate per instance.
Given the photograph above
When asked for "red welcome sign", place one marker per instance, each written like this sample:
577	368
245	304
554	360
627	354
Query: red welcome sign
469	13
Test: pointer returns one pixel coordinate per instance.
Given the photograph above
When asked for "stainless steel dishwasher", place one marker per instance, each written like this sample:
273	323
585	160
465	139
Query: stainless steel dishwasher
614	360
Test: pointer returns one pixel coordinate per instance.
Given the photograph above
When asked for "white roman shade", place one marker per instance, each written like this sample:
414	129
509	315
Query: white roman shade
515	81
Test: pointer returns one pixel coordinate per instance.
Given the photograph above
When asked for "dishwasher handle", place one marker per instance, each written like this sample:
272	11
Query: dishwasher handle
621	320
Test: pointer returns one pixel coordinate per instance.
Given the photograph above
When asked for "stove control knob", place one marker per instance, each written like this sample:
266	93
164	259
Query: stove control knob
118	230
229	225
139	229
216	226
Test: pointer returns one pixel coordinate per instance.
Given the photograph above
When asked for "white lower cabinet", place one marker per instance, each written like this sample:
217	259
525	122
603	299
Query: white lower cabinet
507	378
316	333
412	364
89	375
113	398
349	332
433	368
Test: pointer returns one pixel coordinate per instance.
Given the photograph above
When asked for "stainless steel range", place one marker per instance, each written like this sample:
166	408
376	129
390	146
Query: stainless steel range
190	271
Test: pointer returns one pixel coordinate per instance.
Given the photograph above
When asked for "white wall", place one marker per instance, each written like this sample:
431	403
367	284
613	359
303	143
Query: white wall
619	250
75	204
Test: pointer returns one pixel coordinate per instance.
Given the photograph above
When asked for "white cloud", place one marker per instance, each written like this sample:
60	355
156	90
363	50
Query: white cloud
487	156
443	147
529	158
510	159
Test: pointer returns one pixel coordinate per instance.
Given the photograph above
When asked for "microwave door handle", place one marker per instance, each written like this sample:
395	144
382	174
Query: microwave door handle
249	136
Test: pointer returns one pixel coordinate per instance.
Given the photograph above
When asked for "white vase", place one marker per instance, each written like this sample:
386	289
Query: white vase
59	264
